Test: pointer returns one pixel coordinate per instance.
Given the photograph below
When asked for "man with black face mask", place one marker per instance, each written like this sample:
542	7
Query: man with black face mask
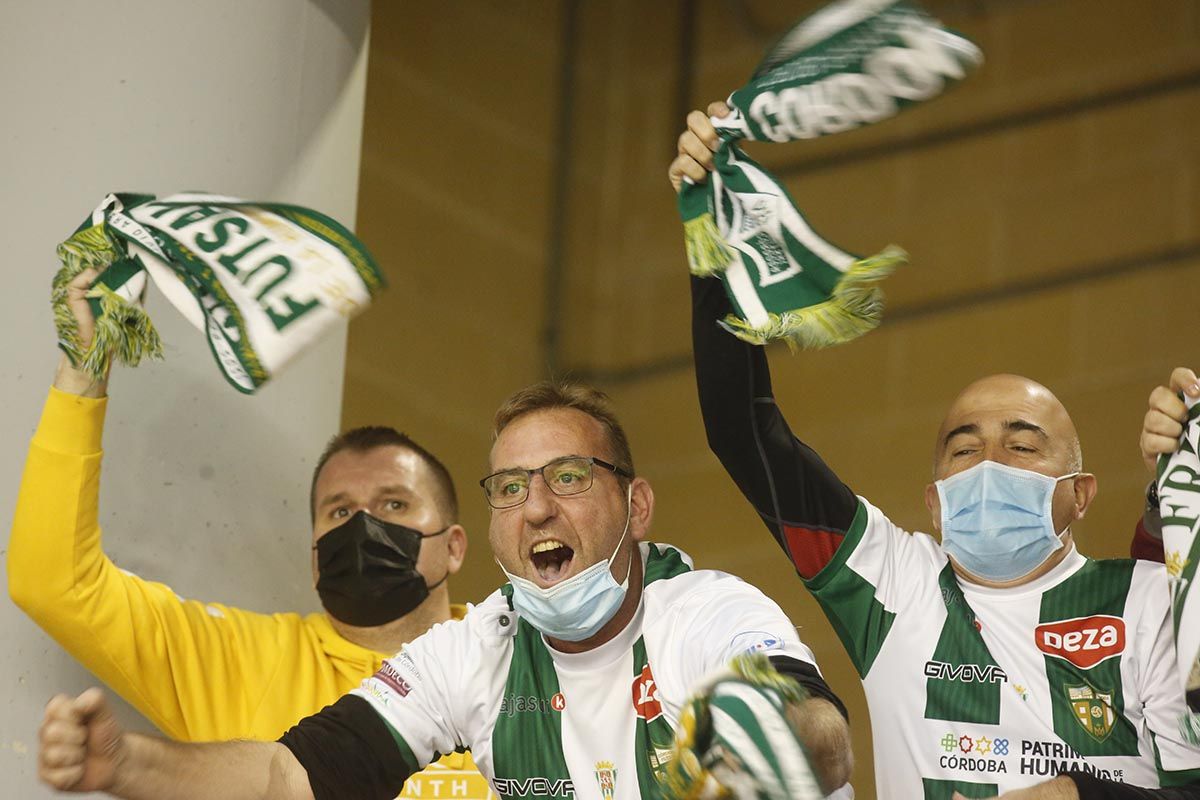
385	539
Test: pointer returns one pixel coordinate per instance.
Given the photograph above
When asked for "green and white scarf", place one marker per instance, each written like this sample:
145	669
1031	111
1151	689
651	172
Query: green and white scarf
735	739
852	63
1179	504
263	281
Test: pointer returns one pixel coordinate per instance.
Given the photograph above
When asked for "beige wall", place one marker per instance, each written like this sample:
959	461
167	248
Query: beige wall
1051	206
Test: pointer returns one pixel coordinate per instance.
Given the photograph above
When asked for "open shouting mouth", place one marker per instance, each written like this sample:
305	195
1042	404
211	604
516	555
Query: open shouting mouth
551	559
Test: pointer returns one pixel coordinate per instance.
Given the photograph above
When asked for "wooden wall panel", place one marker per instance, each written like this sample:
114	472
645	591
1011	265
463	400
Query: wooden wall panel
458	150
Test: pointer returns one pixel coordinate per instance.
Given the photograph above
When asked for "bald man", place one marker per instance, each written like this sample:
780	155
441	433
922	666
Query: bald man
994	659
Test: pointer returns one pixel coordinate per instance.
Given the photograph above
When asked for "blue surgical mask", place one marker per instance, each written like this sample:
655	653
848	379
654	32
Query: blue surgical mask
997	520
574	609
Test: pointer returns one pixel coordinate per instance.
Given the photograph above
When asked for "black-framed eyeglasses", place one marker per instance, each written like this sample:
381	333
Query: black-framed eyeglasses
564	476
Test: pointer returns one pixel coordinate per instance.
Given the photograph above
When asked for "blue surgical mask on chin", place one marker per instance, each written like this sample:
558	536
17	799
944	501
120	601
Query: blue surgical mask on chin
575	609
997	521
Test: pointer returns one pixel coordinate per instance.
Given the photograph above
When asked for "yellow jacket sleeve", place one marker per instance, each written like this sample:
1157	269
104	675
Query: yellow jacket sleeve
194	670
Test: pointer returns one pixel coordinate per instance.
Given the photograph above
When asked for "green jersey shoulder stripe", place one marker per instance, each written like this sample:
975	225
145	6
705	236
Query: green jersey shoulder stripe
849	601
532	679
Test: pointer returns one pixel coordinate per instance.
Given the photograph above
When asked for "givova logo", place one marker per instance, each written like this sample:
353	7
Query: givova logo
535	787
965	673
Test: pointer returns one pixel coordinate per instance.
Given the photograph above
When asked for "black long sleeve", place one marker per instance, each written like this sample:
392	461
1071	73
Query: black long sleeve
349	751
802	502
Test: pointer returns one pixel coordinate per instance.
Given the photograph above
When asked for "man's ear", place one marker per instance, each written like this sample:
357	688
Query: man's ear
456	548
641	508
934	504
1085	492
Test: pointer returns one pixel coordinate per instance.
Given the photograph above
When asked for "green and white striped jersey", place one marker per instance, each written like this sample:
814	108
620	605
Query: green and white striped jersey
596	725
985	690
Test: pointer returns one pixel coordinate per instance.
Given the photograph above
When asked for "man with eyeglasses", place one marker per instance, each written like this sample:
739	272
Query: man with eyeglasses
570	681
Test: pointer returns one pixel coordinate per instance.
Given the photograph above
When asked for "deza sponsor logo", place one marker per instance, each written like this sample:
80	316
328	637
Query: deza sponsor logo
1083	641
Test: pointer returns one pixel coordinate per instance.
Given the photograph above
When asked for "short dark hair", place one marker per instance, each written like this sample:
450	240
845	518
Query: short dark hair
370	437
568	394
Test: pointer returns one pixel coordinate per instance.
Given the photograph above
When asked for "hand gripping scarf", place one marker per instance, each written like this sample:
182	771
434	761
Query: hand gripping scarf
263	281
852	63
735	740
1179	503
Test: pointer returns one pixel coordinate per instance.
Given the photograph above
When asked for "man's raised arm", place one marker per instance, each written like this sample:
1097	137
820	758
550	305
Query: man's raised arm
111	621
803	503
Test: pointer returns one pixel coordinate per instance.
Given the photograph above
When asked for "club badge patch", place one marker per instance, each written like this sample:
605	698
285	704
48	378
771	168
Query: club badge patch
1093	710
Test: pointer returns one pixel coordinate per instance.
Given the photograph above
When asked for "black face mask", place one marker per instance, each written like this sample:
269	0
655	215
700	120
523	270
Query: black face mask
367	570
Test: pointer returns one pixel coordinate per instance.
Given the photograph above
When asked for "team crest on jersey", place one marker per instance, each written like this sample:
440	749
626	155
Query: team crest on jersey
1083	641
606	776
1093	710
645	696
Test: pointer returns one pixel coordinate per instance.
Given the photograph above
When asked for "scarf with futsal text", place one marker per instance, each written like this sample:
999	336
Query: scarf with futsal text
1179	503
261	280
852	63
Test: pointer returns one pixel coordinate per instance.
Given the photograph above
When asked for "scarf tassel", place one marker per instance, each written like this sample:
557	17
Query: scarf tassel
854	307
707	252
123	329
